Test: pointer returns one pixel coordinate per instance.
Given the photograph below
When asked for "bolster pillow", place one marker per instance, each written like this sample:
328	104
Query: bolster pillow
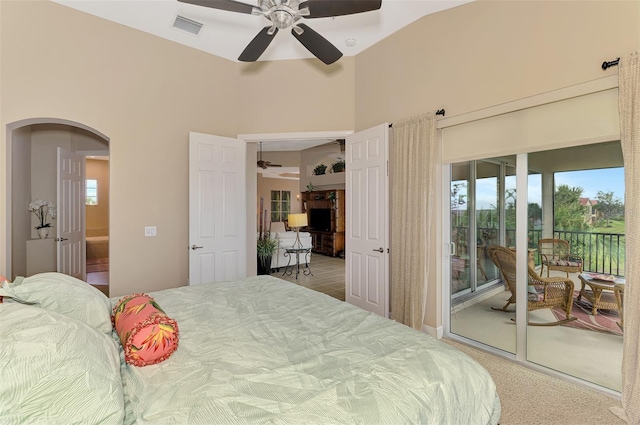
148	336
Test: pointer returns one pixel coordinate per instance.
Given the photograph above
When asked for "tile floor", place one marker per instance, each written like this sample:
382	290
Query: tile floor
327	275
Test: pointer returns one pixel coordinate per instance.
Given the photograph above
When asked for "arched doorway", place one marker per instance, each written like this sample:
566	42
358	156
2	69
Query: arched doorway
31	169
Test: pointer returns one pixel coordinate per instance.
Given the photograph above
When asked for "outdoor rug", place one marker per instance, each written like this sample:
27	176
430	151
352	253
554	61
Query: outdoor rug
606	321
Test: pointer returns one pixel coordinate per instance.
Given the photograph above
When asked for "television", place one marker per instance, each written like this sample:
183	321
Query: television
320	219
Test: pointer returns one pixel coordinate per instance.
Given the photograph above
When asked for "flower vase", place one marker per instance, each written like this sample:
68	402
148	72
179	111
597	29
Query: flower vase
43	232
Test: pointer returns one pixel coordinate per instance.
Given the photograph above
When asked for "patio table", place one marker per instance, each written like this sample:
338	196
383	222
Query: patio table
600	297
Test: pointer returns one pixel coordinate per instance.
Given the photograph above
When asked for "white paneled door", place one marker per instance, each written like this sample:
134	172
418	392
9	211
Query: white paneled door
217	208
367	231
70	235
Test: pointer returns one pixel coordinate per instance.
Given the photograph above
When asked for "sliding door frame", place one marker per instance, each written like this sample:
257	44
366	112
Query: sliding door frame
521	151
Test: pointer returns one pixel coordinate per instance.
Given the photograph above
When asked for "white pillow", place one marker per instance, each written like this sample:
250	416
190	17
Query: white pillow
65	295
56	370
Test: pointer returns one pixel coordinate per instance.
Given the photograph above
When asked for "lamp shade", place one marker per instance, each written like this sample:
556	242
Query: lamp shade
298	220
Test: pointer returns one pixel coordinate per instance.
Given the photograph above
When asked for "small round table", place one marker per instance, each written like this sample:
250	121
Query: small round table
288	270
598	286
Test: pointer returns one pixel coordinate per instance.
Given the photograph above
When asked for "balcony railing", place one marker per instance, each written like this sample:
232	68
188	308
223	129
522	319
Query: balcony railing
601	252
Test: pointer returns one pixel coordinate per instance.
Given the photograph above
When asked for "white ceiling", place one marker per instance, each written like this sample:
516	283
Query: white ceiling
293	145
226	34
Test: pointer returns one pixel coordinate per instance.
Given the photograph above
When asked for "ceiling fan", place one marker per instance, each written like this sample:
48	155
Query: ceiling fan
265	164
284	14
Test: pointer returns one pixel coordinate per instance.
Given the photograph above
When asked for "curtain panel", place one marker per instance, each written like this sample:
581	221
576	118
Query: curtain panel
629	108
413	178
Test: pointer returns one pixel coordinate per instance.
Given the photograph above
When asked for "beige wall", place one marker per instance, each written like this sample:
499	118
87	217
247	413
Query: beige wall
20	197
484	54
135	88
266	185
296	96
323	154
97	216
146	93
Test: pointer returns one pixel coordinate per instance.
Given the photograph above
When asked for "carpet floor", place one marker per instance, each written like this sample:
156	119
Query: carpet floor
533	398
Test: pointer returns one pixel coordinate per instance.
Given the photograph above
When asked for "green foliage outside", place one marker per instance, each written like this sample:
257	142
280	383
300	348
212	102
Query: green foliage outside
616	227
608	206
599	251
568	213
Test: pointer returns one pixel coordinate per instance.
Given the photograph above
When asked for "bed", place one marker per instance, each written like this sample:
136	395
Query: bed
258	350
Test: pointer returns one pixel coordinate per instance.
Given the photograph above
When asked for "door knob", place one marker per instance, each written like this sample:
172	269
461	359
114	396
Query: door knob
379	250
193	247
61	239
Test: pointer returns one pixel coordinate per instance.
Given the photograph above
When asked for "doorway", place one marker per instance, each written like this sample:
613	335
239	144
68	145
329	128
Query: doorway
31	175
277	148
97	221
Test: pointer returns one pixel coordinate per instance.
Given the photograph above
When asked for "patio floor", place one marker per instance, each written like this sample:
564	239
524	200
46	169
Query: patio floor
592	356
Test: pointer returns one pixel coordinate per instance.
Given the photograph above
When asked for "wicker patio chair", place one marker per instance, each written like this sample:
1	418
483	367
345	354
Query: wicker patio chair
555	254
552	292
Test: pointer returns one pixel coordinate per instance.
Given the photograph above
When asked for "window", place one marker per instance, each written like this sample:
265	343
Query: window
92	192
280	205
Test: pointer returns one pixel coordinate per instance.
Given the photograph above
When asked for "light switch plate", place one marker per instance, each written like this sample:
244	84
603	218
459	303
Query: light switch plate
150	231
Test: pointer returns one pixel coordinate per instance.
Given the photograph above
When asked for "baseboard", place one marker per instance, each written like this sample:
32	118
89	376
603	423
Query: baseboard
434	332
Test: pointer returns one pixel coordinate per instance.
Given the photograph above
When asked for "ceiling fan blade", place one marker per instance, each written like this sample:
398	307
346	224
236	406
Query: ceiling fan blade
317	44
228	5
326	8
258	45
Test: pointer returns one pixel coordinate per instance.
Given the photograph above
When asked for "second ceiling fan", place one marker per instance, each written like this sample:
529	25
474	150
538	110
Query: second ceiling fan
265	164
285	14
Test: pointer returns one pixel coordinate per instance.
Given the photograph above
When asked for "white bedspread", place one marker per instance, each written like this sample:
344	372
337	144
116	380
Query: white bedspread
263	350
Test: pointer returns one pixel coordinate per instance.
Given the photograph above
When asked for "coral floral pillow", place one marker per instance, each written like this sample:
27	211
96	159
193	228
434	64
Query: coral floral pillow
147	334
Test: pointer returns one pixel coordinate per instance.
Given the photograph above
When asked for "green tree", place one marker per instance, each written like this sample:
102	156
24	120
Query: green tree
608	205
510	208
534	214
568	213
458	200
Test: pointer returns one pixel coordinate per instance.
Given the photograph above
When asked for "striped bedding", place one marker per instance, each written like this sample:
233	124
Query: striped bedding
254	351
262	350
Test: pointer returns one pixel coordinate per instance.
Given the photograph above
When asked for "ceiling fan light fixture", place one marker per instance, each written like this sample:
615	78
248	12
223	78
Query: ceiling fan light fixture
285	14
282	19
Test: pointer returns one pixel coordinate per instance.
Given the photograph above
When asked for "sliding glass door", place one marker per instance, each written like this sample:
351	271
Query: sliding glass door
572	194
478	220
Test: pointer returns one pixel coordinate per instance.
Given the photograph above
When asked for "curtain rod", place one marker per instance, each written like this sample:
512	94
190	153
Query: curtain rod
438	112
606	64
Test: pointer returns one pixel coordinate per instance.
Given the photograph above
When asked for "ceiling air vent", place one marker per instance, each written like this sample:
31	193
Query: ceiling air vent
187	25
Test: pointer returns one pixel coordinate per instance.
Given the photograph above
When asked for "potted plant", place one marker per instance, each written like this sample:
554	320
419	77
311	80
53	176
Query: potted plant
337	167
319	170
266	244
42	210
266	247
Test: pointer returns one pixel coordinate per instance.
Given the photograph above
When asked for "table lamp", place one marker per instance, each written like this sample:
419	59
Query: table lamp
298	221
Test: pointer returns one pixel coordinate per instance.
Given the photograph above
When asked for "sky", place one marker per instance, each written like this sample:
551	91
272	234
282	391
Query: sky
591	181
